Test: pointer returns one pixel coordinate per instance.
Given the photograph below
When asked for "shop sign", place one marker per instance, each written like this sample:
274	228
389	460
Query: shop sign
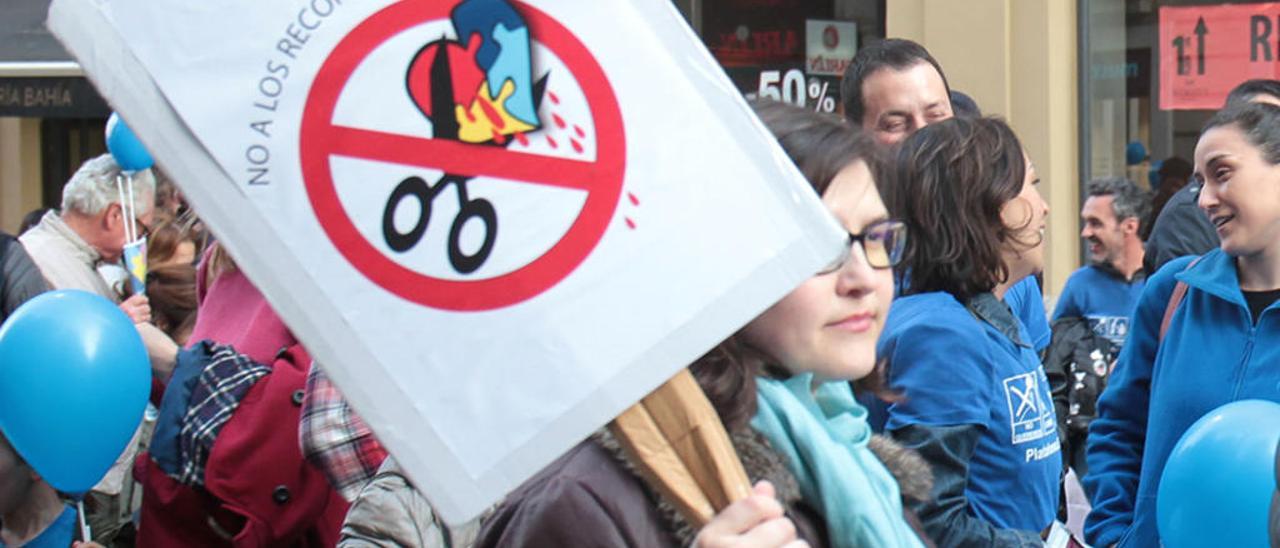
50	98
1205	51
745	33
829	46
788	83
745	45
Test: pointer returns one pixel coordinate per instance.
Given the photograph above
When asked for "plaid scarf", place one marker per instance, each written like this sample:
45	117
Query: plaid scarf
214	398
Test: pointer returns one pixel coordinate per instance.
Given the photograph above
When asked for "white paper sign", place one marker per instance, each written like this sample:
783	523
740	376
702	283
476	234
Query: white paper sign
496	228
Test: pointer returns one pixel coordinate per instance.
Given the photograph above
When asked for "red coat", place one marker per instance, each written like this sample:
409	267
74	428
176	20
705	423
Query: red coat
259	491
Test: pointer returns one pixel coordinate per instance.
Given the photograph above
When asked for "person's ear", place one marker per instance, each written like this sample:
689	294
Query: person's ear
1130	225
112	217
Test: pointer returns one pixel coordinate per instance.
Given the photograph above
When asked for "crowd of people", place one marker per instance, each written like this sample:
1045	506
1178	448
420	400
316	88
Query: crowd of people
913	393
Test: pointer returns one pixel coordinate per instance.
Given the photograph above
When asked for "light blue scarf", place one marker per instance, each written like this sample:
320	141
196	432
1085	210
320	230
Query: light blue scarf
823	432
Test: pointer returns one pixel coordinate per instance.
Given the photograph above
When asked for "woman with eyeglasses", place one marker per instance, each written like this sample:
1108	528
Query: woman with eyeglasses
973	399
781	388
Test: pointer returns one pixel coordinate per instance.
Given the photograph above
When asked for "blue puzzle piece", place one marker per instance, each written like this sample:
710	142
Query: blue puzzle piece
513	64
482	16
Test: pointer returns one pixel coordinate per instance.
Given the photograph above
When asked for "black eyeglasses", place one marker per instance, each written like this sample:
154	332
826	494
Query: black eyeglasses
143	229
881	242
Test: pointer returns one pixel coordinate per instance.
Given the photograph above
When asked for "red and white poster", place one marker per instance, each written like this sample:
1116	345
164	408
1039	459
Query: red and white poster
829	46
495	224
1205	51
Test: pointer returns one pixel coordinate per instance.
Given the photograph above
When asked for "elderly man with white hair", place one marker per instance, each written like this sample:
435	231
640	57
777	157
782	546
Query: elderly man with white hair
68	246
90	229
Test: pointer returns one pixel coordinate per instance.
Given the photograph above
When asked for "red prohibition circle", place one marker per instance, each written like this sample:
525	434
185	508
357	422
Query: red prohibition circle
830	37
602	179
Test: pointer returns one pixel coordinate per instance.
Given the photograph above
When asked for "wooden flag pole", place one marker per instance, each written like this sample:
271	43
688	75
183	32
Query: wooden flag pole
677	441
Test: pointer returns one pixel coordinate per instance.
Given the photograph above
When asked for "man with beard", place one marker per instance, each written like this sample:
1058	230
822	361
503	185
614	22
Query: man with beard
1105	291
1091	321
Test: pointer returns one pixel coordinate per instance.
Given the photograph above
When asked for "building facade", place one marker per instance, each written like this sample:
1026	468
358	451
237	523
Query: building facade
1016	58
51	118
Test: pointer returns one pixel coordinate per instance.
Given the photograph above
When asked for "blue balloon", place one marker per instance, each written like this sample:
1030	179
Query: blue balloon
125	147
1217	484
74	381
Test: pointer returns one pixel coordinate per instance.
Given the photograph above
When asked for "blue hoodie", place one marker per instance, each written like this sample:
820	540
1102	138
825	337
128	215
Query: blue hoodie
1212	355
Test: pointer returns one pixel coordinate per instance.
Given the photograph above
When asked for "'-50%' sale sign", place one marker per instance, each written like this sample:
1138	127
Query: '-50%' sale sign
495	224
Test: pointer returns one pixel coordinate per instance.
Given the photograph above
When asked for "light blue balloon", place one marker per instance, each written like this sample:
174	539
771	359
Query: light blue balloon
125	147
74	381
1217	484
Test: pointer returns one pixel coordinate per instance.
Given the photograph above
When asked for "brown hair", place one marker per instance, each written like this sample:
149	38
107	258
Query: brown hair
820	146
167	194
951	181
164	240
171	290
727	376
217	262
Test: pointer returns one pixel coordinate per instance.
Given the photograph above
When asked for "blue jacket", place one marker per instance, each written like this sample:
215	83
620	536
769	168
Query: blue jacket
976	405
1211	355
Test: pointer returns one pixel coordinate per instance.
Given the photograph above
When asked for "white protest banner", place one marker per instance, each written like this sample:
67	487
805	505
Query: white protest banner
496	225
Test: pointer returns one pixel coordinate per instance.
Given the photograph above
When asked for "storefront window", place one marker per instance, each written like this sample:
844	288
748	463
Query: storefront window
1153	72
790	50
65	143
42	87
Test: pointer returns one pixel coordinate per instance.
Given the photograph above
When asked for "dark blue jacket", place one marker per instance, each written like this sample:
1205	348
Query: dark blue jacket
1180	229
1211	355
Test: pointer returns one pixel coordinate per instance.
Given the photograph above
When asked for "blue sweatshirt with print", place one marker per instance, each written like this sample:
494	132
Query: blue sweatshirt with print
1212	355
976	405
1103	298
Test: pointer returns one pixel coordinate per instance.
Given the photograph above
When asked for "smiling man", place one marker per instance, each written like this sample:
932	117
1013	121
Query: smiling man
893	88
1098	298
1106	290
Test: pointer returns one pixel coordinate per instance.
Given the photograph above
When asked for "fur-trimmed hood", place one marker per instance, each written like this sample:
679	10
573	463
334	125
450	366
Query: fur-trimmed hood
761	462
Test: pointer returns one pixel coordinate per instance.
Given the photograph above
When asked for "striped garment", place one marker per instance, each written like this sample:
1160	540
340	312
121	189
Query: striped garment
335	439
214	398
